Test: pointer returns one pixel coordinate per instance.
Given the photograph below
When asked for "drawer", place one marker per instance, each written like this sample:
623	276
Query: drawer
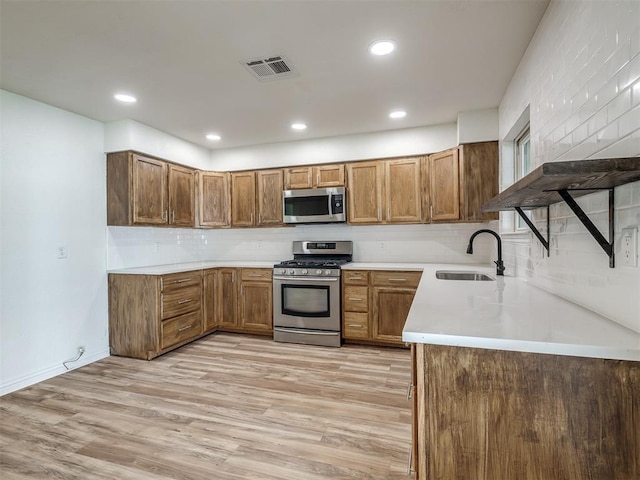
355	325
256	274
356	299
180	328
395	279
355	277
181	280
181	300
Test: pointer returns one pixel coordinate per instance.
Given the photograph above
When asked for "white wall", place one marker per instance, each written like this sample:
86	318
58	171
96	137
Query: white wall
478	126
393	143
53	193
132	135
580	77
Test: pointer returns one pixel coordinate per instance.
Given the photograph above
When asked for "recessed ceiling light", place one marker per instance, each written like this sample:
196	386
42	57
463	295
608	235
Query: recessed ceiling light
382	47
398	114
299	126
125	98
213	136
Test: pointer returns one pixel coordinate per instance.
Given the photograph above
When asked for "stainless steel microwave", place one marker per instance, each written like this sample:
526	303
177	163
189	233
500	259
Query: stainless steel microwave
314	205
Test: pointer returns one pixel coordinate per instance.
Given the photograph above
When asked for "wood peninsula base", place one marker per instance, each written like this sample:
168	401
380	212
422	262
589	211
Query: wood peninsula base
488	414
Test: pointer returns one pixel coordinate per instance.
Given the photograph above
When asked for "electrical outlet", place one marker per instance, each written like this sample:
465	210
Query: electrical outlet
629	247
61	251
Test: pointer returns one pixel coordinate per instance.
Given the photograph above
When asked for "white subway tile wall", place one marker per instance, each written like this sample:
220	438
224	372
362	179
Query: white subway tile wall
581	78
141	246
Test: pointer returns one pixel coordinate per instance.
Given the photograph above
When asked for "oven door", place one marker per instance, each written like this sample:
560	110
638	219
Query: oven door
309	303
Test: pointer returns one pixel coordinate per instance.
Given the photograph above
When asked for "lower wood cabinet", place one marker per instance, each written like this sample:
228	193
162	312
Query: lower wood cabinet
375	304
488	414
245	297
152	314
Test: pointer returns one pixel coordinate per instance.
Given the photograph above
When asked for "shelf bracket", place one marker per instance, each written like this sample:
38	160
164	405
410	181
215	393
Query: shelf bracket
607	246
534	229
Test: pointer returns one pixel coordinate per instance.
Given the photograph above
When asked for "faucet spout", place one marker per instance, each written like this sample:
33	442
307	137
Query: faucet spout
499	263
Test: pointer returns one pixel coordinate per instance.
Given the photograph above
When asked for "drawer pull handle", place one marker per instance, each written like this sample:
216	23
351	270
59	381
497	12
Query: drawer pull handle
354	325
181	302
256	275
355	299
182	329
409	391
355	278
397	279
183	280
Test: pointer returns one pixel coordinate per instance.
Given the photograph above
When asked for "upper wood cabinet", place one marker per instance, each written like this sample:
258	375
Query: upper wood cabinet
256	198
402	191
458	181
441	185
243	199
479	180
269	205
214	199
143	190
385	191
181	196
365	192
331	175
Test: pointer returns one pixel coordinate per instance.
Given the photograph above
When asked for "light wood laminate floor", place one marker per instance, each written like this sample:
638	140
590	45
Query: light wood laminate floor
225	407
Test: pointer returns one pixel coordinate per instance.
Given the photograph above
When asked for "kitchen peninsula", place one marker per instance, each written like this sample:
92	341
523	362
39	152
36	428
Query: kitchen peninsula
511	381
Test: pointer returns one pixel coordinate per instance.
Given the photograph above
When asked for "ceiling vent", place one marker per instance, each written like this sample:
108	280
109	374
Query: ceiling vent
272	68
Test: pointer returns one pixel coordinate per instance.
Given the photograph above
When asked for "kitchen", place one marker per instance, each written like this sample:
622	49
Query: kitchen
50	306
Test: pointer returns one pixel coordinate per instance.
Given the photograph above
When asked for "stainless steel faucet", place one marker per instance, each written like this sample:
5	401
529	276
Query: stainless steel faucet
499	263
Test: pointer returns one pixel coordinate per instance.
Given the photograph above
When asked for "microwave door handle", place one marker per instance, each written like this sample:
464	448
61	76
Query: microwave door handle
330	210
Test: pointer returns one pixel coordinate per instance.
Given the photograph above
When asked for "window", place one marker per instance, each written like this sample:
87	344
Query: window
522	159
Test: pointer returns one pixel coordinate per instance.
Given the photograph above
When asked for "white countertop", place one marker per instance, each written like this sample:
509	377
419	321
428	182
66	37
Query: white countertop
187	267
509	314
506	314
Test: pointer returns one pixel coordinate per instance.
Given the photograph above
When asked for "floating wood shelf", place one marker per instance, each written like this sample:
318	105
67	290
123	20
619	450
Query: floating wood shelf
540	188
563	181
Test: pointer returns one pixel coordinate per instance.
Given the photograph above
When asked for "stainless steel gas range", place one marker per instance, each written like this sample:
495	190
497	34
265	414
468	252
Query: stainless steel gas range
306	293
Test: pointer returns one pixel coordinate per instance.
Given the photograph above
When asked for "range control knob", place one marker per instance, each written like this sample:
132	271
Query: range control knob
283	271
292	271
327	272
318	272
304	271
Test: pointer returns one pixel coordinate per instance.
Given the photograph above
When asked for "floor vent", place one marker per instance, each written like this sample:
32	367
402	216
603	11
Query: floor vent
272	68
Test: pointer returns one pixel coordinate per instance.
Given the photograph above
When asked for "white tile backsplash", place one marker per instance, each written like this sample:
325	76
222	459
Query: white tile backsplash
580	78
140	246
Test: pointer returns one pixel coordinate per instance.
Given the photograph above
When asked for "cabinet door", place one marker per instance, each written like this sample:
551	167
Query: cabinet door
479	179
256	307
227	298
213	199
181	196
329	175
365	192
149	191
243	199
209	300
444	185
402	189
298	177
269	197
390	309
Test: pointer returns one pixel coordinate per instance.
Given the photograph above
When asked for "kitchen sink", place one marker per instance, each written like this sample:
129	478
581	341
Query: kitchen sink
460	275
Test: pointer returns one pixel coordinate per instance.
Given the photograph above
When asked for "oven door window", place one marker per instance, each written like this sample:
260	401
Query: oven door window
306	300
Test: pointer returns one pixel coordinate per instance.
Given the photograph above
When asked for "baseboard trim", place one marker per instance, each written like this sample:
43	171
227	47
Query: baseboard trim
47	373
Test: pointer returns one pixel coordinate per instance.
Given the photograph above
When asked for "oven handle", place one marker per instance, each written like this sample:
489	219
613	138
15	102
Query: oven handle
307	279
306	332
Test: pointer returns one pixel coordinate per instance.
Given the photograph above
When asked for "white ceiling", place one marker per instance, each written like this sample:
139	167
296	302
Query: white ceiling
182	59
